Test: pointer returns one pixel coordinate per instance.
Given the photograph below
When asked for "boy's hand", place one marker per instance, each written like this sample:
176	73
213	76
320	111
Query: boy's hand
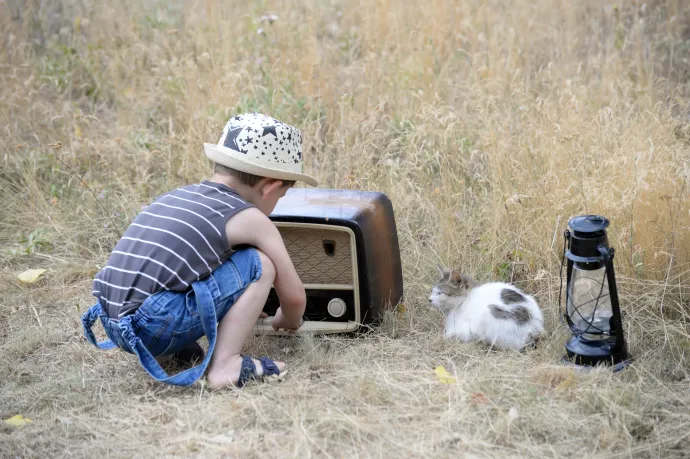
280	322
253	228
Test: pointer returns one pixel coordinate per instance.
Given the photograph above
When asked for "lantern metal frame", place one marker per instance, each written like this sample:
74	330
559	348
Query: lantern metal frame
612	348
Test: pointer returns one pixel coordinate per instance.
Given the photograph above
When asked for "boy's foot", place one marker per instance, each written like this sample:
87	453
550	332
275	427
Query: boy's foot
243	369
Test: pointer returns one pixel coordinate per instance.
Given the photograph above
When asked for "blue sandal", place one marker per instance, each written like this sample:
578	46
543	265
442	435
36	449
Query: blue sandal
248	371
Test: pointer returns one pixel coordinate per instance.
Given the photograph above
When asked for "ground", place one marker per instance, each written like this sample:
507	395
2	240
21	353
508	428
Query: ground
488	125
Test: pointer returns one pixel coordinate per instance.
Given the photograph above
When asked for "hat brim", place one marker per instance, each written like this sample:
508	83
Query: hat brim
234	160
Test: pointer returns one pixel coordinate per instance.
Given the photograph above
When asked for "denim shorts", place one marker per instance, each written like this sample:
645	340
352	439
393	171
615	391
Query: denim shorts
169	321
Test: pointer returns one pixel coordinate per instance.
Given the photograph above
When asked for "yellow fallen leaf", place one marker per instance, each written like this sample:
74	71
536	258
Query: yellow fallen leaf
17	421
77	132
443	375
31	275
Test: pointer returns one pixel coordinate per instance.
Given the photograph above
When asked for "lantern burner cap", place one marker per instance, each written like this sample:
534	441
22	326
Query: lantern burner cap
588	225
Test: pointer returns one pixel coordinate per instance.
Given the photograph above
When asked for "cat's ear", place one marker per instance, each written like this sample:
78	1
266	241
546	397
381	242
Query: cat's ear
462	280
456	278
443	271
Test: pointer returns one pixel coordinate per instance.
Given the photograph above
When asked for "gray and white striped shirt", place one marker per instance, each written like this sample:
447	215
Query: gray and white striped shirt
176	240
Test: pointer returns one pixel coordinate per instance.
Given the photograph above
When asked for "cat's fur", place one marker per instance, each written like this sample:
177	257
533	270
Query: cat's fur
494	313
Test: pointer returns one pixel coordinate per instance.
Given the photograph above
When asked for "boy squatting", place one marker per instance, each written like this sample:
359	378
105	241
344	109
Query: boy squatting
201	260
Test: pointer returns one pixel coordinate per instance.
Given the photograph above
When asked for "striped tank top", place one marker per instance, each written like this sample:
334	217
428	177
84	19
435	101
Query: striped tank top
173	242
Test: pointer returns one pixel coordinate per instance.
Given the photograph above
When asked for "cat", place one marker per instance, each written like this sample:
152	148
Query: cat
494	313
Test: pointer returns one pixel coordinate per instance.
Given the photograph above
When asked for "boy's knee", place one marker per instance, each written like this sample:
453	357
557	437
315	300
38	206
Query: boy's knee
268	270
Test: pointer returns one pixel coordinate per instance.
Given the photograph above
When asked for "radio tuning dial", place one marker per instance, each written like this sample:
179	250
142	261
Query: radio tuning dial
337	307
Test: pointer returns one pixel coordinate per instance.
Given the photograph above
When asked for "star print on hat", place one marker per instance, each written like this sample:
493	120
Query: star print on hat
260	145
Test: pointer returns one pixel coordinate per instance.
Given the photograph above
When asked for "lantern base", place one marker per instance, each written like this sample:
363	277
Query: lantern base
591	353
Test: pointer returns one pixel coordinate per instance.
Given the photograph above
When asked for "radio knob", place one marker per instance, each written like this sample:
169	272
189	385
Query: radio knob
337	307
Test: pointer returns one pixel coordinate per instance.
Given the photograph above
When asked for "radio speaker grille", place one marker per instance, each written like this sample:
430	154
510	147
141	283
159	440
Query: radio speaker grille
320	256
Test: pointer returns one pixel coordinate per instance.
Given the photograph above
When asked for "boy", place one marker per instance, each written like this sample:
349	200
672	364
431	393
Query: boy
201	260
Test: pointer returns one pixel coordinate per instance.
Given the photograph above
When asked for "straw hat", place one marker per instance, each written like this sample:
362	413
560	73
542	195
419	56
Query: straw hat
260	145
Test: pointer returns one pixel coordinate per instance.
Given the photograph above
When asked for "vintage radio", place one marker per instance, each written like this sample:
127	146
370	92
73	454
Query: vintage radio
344	246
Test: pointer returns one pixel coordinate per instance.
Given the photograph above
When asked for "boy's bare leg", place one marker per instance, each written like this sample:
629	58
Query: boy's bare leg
235	327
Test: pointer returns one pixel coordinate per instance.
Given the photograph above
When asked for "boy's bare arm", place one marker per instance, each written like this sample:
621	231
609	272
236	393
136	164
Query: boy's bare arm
254	228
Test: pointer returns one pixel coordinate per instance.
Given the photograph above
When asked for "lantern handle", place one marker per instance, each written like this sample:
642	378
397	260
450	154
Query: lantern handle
565	319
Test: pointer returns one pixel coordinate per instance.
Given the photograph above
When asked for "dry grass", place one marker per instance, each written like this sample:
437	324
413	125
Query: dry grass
488	124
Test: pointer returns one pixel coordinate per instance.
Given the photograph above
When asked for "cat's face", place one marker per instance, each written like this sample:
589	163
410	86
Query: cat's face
450	291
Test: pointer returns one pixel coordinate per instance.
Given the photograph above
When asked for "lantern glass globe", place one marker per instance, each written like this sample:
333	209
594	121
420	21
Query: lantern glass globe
589	303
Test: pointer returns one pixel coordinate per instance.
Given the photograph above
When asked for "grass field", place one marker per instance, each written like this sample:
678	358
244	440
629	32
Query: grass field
488	124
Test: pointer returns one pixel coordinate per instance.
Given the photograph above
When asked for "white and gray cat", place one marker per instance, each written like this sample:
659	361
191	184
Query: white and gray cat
494	313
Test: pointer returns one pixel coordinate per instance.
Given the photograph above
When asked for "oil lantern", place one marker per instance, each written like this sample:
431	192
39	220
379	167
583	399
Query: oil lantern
592	311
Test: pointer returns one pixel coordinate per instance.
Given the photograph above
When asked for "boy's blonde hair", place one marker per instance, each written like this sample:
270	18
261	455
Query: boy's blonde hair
244	177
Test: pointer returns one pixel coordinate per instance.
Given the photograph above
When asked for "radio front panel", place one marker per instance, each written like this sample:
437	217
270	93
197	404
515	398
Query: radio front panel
325	258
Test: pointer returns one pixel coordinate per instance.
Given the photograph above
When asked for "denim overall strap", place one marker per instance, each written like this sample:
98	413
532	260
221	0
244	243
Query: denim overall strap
88	320
209	323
